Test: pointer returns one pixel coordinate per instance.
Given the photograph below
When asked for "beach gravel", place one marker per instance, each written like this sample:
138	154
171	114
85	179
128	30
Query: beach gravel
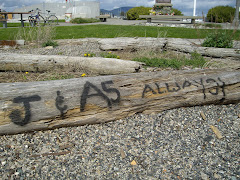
175	144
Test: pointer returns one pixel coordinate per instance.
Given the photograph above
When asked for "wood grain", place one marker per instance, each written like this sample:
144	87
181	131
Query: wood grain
46	105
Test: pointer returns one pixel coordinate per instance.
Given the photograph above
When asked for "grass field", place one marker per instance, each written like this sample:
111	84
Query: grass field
111	31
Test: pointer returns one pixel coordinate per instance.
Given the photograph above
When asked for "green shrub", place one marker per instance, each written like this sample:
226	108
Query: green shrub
133	14
196	60
84	20
50	43
221	14
218	40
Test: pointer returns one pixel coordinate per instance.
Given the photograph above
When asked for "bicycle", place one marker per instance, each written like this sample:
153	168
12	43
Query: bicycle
51	18
37	19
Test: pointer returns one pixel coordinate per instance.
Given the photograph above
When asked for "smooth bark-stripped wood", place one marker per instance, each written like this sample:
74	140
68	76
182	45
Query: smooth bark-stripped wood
189	46
131	43
51	104
42	63
176	44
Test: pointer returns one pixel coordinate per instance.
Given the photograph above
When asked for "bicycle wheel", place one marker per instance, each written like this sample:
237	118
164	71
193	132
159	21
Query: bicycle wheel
32	21
53	20
40	21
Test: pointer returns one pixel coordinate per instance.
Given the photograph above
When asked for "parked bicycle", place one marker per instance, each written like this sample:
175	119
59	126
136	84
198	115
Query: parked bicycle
51	18
38	19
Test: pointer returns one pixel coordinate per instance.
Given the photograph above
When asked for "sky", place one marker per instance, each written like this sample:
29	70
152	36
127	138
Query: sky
186	6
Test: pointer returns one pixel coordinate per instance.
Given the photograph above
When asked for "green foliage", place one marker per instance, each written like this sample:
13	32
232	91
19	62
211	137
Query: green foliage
109	55
196	60
218	40
84	20
177	12
133	14
50	43
221	14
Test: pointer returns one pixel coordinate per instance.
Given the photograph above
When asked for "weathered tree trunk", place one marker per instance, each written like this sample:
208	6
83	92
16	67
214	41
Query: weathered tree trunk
51	104
189	46
175	44
131	43
43	63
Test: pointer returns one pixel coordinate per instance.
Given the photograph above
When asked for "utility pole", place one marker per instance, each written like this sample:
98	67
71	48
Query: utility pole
236	18
194	7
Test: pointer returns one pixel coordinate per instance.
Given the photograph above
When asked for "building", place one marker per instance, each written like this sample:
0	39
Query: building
83	9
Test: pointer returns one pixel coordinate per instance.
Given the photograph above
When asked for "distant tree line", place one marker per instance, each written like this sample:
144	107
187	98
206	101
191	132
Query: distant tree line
218	14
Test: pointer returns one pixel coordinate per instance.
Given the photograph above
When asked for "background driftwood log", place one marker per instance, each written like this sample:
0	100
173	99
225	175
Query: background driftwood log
45	105
175	44
43	63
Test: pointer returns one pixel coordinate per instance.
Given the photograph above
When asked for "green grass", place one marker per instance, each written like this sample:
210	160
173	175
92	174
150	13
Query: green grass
111	31
196	61
26	24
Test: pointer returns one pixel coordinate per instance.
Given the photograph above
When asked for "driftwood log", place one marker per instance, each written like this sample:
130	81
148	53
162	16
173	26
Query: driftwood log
46	105
175	44
43	63
189	46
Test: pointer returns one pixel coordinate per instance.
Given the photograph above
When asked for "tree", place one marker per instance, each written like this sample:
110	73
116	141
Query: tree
221	14
133	14
177	12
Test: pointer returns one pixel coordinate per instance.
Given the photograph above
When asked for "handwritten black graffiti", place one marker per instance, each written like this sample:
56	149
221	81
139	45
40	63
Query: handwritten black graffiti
219	86
86	90
15	116
59	102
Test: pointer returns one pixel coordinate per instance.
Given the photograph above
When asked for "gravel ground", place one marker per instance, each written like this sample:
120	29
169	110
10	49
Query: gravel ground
66	48
175	144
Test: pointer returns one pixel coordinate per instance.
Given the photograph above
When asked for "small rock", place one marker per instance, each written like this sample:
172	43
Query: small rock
204	176
123	155
133	163
49	47
216	176
116	169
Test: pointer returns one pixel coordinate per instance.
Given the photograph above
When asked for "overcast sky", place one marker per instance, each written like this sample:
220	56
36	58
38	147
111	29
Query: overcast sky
186	6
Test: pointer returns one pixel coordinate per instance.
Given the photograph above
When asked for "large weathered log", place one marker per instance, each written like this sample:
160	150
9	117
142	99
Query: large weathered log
189	46
131	43
176	44
51	104
42	63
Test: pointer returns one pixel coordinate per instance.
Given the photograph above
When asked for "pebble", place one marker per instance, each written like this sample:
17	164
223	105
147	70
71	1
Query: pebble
137	147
